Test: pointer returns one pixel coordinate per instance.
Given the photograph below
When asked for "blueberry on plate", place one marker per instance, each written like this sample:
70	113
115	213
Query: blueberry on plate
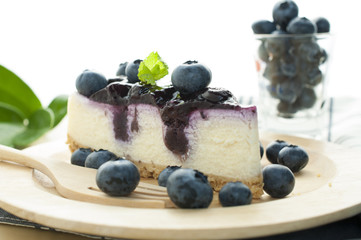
188	188
235	194
293	157
131	71
283	12
164	175
273	149
323	25
191	77
78	156
261	149
301	26
118	178
89	82
278	180
98	158
263	27
121	69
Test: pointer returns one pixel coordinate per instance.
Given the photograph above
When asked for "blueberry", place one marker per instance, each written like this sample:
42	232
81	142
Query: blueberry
235	194
97	158
306	99
310	51
271	88
273	72
323	25
313	77
288	66
131	71
324	56
118	178
287	110
78	157
263	27
273	149
191	77
261	149
278	44
293	157
309	74
301	26
272	69
90	82
164	175
283	12
302	69
262	52
288	91
121	69
278	180
188	188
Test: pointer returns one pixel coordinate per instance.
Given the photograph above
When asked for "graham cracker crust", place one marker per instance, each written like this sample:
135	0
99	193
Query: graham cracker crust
151	170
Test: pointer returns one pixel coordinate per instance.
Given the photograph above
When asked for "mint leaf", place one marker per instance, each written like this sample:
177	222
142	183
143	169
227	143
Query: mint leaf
59	108
152	69
41	121
14	92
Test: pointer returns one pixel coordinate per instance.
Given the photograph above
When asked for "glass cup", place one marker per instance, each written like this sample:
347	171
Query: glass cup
293	83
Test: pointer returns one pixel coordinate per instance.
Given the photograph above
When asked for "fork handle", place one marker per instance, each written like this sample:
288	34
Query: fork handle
13	155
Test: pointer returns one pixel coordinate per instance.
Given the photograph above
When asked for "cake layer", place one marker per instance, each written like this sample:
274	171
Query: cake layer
221	142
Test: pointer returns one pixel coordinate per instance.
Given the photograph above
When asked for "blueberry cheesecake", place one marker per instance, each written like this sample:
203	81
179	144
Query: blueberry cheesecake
186	124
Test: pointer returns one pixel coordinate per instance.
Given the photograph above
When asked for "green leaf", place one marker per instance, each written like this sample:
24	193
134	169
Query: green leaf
41	118
59	107
11	123
22	118
152	69
41	121
10	114
8	132
14	92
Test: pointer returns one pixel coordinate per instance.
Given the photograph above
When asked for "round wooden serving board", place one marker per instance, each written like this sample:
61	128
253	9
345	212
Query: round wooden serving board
326	190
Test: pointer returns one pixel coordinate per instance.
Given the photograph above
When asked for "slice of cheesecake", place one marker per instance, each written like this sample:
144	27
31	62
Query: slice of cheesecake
207	130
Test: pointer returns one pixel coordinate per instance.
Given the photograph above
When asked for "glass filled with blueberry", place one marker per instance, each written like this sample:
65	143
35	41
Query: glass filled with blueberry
292	55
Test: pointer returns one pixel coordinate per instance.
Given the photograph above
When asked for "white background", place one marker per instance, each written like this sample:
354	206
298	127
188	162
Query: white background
49	43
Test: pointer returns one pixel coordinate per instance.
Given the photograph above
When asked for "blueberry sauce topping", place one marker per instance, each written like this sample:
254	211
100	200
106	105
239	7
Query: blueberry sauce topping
175	108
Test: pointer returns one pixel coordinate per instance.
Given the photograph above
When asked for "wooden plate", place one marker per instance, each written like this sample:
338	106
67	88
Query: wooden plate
326	190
